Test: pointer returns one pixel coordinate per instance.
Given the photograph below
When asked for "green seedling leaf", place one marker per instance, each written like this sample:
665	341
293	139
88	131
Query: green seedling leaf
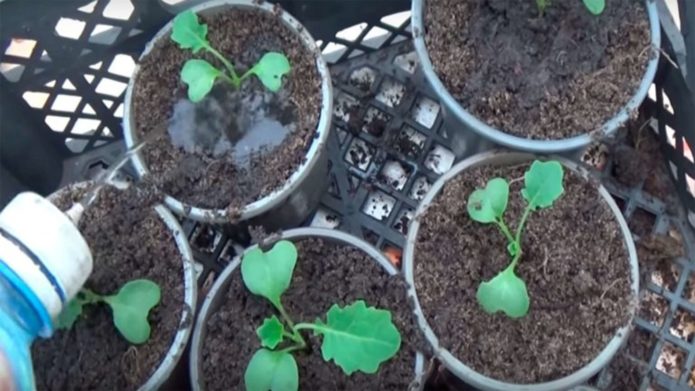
270	70
487	205
200	76
271	371
69	315
268	274
357	337
188	32
542	5
270	332
543	184
596	7
130	307
505	292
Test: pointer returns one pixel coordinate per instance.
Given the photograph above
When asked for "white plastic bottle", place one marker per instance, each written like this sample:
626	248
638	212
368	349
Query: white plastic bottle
44	261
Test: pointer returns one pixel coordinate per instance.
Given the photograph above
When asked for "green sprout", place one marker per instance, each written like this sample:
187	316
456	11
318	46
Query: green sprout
200	75
596	7
542	186
130	307
356	337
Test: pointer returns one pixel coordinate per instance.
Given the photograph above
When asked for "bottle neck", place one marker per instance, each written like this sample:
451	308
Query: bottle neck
19	303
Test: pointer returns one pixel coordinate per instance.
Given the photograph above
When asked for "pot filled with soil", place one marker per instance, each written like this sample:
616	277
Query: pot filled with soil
129	325
233	102
363	336
524	272
539	76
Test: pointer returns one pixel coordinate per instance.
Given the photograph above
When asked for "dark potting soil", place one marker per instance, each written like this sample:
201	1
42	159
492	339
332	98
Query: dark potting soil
234	147
326	273
128	240
575	266
549	77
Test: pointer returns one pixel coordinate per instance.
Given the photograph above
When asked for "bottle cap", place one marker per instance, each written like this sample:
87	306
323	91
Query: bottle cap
45	249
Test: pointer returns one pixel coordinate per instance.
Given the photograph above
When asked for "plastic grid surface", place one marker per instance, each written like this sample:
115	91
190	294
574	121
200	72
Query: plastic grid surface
389	143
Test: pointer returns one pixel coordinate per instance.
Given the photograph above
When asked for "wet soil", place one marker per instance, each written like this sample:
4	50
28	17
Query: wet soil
326	273
128	240
226	162
549	77
575	266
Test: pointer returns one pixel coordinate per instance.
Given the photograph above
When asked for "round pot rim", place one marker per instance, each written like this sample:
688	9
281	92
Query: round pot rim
222	282
465	372
190	294
278	195
544	146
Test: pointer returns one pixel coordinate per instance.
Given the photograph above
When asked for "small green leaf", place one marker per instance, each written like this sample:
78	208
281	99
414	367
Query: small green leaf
596	7
271	371
200	76
130	307
357	337
270	70
269	274
505	292
69	315
487	205
188	32
270	332
543	183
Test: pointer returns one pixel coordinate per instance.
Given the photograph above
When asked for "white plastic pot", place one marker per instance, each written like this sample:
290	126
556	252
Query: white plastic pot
217	295
299	196
452	363
190	294
461	119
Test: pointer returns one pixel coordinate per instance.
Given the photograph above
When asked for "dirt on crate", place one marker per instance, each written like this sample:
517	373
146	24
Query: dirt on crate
541	77
202	175
326	273
575	265
128	240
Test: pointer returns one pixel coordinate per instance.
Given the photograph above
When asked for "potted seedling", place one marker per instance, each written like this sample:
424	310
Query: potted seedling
314	309
233	102
538	75
129	325
524	272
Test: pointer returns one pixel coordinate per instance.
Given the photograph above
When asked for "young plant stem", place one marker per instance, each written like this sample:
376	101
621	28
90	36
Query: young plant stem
505	230
234	78
295	336
91	297
520	228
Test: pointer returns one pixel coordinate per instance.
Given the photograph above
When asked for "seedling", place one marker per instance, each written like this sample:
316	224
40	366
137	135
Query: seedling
130	307
542	186
356	337
596	7
200	75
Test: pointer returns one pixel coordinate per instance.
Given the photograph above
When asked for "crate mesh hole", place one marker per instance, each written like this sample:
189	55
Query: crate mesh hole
69	28
420	187
403	220
375	37
378	205
345	107
360	154
19	47
666	275
640	344
397	19
104	34
66	103
683	325
57	123
35	99
439	160
325	218
11	72
395	174
363	78
375	122
393	254
408	62
671	360
119	9
410	142
425	111
642	222
390	92
653	308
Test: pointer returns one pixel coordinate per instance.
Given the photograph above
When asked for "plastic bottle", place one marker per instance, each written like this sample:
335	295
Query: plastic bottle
44	261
